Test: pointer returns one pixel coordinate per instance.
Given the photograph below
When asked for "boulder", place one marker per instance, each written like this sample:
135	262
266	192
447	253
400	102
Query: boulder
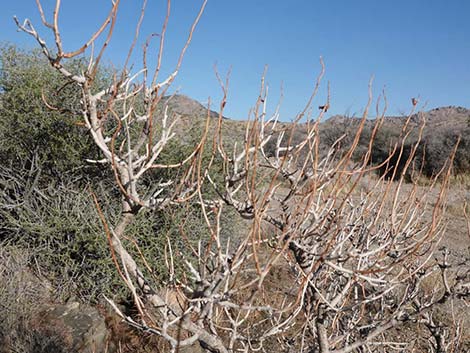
81	328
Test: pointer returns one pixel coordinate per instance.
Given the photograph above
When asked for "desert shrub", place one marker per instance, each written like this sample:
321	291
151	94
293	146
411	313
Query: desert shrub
342	131
336	127
45	183
432	153
56	217
436	147
462	156
62	226
391	165
32	134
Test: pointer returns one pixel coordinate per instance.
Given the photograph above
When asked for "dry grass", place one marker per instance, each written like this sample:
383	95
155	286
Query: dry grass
21	296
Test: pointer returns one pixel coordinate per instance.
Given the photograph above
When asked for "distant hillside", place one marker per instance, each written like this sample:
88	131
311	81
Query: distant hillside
443	127
450	117
443	118
185	106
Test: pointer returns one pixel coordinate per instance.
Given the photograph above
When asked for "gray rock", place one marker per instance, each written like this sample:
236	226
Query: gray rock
81	327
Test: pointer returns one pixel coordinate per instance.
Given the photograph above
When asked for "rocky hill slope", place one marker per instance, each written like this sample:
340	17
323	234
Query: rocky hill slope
442	128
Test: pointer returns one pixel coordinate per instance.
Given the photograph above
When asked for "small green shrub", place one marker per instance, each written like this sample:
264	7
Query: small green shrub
31	134
45	201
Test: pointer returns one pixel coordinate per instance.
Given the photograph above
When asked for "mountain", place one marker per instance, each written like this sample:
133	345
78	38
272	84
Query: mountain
443	127
450	117
441	118
184	106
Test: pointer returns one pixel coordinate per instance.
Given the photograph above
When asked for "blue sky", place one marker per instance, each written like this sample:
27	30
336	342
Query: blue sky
412	47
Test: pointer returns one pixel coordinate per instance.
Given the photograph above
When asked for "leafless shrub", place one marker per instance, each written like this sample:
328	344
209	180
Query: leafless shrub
357	258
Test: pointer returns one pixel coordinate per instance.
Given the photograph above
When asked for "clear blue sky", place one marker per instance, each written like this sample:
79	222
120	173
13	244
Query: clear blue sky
412	47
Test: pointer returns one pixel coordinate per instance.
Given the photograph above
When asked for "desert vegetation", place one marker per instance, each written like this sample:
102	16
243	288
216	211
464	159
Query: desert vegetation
197	233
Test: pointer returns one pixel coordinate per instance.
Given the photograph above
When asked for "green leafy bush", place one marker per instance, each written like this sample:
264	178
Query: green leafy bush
46	205
31	133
